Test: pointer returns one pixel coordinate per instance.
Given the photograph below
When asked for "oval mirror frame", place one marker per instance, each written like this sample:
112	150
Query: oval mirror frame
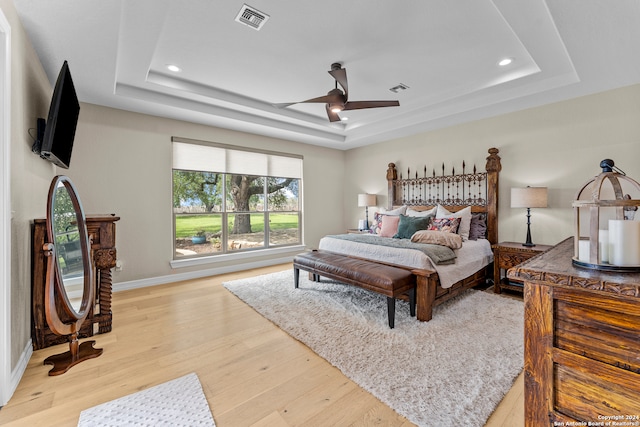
63	318
56	208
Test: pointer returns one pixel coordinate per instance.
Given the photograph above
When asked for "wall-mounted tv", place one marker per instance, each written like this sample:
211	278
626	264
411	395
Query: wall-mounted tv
55	136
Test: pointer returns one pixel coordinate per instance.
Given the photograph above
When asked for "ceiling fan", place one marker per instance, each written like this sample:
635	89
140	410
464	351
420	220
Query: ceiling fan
337	100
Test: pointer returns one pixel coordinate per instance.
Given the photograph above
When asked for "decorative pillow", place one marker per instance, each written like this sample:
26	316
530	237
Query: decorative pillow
465	219
449	225
450	240
478	227
409	225
413	212
376	224
389	225
377	218
397	211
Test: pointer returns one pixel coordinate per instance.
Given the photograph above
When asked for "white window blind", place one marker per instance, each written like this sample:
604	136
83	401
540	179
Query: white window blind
227	159
196	157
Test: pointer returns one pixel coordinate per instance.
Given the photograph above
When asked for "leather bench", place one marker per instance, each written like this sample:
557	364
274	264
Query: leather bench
381	278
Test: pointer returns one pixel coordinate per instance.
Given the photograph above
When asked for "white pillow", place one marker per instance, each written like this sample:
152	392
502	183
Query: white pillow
465	219
415	213
398	211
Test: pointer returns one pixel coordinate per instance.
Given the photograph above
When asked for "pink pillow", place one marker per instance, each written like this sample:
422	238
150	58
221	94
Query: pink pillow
389	225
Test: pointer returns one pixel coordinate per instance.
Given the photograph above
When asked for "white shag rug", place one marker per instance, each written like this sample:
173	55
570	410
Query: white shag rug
179	402
450	371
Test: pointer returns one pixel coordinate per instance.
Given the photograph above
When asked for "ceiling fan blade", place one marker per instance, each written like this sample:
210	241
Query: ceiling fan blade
333	117
359	105
340	74
326	99
284	105
336	100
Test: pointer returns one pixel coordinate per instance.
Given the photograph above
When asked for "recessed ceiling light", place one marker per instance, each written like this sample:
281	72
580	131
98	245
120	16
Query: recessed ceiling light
344	119
504	62
174	68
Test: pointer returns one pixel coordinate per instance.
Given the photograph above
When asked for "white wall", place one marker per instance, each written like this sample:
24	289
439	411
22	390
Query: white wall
121	164
559	146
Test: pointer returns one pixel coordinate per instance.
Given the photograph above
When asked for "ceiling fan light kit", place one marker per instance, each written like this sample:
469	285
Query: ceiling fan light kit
336	100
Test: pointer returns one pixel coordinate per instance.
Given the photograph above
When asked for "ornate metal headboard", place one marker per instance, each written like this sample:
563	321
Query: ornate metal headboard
455	191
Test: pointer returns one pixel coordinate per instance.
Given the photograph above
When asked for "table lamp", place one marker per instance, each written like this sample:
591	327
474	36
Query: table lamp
366	200
529	197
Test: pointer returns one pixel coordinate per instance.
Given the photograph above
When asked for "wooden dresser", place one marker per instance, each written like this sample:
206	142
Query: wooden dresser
102	233
582	342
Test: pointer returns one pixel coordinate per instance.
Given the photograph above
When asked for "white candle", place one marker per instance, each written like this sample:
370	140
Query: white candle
583	250
624	238
603	244
361	224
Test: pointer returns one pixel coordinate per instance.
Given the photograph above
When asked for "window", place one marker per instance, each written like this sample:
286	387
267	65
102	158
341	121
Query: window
227	199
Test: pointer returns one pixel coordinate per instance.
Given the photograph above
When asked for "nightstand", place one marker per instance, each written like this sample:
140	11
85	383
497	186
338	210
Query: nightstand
507	255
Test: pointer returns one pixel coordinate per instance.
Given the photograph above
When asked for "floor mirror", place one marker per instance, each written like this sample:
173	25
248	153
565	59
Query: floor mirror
69	274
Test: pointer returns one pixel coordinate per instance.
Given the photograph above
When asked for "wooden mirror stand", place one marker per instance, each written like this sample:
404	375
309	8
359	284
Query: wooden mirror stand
69	271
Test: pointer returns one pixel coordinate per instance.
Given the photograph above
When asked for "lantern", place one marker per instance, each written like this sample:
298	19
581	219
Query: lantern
606	222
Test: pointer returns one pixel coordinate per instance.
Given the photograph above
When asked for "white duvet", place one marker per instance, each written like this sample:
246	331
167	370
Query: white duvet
471	257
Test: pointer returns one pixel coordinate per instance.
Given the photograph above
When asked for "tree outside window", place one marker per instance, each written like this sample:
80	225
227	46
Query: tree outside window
234	212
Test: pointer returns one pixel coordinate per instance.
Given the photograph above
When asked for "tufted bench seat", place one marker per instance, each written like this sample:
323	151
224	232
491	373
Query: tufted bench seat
384	279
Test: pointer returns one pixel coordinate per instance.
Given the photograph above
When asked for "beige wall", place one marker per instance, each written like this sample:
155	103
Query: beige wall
30	175
558	146
121	164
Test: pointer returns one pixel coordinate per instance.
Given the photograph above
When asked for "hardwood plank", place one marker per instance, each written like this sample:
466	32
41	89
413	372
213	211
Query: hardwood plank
251	371
510	412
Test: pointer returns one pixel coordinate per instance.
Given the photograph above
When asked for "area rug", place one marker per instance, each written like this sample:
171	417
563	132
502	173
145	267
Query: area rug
450	371
180	402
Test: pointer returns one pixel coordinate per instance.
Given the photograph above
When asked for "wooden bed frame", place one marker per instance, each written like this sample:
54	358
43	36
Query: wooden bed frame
454	192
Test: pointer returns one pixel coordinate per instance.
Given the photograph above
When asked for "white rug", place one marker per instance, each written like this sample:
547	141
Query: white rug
180	402
451	371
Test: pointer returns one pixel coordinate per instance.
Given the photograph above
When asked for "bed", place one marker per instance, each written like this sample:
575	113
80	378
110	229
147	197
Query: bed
443	196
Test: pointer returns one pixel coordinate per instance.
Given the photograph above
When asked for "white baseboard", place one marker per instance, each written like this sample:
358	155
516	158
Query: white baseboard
18	371
161	280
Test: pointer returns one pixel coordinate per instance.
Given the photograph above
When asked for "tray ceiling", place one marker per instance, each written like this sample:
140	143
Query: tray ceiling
446	53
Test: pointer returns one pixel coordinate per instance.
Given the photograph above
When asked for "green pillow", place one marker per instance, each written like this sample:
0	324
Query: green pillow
410	224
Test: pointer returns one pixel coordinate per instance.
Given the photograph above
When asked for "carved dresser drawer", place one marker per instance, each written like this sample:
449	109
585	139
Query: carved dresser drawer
582	342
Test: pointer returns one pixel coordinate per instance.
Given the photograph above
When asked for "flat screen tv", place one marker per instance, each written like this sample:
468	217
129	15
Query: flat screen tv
56	139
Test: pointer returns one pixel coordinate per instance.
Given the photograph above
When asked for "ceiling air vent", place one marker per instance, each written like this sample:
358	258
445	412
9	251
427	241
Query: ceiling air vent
251	17
399	88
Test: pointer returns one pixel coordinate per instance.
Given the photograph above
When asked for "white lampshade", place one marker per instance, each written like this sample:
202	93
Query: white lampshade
529	197
366	200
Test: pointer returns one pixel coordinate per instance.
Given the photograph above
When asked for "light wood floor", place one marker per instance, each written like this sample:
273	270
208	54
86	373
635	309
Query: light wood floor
252	373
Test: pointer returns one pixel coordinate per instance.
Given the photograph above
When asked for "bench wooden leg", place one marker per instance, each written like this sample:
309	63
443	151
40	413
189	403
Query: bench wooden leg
296	277
391	311
412	302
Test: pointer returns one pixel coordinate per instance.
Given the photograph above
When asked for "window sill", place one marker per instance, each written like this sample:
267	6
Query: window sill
240	256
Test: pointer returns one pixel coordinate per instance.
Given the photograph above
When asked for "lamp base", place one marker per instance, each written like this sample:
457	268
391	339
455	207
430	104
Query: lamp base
528	243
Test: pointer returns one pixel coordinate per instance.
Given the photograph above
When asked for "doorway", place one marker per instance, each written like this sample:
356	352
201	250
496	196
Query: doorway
6	386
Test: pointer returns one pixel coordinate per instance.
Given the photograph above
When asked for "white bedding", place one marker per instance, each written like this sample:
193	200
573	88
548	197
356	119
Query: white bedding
471	257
